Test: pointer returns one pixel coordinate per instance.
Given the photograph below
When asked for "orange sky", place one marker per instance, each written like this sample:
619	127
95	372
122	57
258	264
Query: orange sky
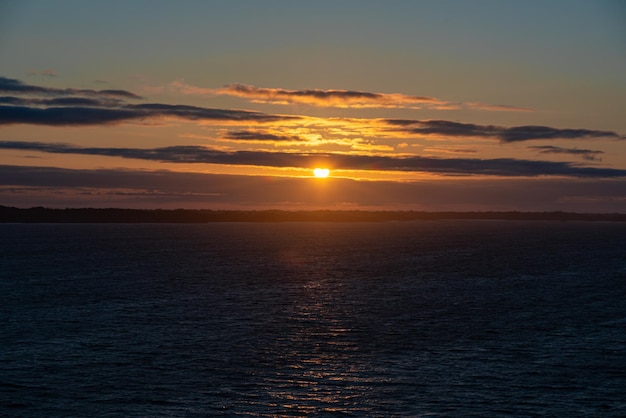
465	116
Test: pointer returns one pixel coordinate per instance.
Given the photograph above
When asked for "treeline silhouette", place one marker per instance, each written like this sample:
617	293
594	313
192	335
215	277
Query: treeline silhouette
112	215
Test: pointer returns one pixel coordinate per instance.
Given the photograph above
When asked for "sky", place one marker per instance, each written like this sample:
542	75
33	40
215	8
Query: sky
411	105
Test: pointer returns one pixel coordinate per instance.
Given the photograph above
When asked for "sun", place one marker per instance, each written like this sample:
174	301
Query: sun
321	172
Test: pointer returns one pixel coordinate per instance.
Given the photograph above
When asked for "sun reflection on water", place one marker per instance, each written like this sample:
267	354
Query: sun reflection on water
320	368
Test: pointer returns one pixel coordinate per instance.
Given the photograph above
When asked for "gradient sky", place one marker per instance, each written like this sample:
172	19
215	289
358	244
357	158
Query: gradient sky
423	105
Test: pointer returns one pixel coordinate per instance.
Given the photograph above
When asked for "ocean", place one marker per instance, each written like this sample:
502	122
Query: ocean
382	319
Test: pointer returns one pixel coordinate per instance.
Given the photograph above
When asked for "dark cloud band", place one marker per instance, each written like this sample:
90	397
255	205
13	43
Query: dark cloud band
249	135
87	115
13	86
447	166
504	134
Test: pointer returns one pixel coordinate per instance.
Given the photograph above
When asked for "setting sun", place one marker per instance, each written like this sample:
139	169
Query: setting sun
321	172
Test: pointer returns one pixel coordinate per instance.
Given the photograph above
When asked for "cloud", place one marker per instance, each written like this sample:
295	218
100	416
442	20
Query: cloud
525	133
29	104
450	150
504	134
339	98
497	108
180	87
586	154
203	113
64	116
326	98
60	101
13	86
446	166
49	72
88	115
30	186
250	135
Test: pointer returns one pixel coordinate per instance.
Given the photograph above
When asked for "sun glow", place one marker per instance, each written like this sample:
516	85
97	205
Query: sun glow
321	172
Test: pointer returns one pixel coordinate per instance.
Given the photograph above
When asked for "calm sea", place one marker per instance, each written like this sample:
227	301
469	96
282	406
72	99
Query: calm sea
447	318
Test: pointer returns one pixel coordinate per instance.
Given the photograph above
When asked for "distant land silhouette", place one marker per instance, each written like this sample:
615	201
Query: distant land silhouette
112	215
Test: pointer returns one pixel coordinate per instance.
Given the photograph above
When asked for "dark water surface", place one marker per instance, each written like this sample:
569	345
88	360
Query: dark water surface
449	318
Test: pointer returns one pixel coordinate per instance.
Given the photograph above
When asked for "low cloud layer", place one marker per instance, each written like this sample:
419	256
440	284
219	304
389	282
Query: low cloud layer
446	166
29	186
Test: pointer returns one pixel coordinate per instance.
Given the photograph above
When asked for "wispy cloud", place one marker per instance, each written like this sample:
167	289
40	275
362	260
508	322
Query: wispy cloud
495	107
49	72
180	87
586	154
327	98
447	166
341	98
450	150
13	86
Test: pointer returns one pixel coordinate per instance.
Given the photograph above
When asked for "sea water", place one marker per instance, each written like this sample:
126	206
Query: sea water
445	318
